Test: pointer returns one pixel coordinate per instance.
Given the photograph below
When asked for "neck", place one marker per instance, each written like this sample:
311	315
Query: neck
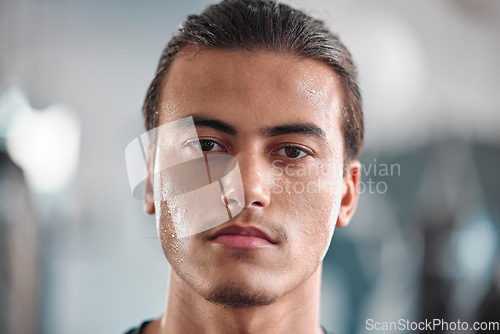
188	312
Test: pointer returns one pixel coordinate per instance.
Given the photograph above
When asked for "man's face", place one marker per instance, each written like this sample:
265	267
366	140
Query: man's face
281	117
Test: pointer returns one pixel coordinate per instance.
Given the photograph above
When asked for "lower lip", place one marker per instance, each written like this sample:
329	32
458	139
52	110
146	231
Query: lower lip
241	241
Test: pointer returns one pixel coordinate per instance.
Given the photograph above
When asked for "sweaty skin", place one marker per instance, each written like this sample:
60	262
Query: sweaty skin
215	288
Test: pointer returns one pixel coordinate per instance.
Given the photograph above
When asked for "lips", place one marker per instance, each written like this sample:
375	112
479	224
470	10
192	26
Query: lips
242	237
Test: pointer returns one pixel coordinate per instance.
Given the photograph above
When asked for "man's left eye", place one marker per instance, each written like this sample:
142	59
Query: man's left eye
292	152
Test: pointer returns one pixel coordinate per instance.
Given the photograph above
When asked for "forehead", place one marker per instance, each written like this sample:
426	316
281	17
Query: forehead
251	89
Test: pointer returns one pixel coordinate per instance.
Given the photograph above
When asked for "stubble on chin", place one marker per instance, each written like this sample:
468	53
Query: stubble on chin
235	294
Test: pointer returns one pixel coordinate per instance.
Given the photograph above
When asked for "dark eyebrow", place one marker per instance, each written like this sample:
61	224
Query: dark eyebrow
304	128
214	123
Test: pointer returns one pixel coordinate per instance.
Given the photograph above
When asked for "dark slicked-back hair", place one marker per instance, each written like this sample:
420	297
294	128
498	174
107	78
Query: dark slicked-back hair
265	25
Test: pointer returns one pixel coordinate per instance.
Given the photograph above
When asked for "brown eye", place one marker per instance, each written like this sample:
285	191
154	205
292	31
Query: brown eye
292	152
206	145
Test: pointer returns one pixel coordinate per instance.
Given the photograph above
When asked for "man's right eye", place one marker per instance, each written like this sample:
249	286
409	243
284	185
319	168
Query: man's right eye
206	145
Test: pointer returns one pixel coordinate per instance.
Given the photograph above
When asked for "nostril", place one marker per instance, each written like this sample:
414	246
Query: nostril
258	204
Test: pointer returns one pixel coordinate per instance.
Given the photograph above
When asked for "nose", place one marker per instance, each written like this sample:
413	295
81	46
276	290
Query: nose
254	177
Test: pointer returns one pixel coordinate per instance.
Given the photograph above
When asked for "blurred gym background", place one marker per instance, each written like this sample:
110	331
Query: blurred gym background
77	253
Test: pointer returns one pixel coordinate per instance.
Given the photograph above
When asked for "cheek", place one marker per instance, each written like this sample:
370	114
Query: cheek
174	247
309	205
165	229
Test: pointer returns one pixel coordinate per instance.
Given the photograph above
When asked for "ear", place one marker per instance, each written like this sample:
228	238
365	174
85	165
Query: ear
149	204
350	193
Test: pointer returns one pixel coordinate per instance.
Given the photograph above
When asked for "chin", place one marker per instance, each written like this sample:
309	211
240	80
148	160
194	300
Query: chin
235	293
